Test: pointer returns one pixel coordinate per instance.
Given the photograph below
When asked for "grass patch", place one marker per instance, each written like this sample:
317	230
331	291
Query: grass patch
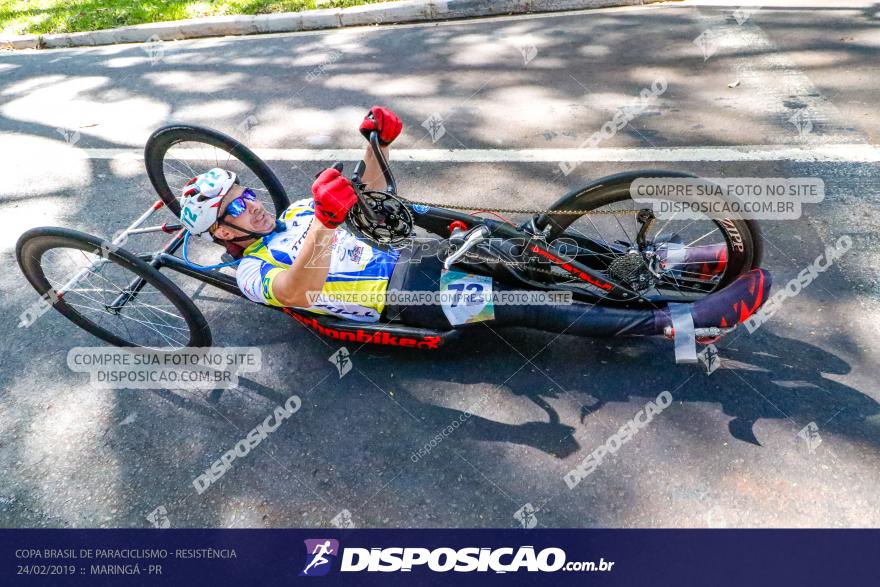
68	16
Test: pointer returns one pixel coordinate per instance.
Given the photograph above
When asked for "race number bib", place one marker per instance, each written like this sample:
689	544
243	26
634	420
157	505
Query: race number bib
466	298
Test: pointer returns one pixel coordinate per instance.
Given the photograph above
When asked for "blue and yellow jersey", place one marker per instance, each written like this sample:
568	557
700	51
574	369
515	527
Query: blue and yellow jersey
358	274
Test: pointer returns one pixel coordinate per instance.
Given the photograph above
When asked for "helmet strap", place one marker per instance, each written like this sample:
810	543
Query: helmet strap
279	226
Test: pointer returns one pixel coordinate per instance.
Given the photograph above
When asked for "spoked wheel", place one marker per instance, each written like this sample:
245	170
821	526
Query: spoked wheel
109	292
177	153
673	259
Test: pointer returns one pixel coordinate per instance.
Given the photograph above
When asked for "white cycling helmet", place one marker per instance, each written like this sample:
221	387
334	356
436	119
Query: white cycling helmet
202	196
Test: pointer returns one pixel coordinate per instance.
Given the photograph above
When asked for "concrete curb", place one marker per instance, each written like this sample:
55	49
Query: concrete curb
402	11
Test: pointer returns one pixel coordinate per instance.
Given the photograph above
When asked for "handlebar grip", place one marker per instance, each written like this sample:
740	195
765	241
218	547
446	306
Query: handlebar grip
337	166
356	178
391	185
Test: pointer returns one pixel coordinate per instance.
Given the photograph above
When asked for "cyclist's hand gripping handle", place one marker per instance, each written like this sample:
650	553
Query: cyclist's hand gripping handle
383	121
334	197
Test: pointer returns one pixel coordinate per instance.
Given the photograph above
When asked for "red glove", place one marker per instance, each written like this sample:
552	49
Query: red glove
385	121
334	197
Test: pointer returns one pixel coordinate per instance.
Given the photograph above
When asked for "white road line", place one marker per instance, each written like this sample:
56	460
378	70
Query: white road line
853	152
778	90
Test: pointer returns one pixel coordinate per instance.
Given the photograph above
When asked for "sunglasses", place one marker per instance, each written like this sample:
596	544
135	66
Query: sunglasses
238	206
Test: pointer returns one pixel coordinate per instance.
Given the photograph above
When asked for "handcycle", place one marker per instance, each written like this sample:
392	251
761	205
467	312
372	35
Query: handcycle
594	242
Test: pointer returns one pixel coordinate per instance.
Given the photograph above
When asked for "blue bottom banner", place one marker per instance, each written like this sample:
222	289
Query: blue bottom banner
438	557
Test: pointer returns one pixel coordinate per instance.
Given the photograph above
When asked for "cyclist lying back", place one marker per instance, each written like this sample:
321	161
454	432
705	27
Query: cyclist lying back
305	260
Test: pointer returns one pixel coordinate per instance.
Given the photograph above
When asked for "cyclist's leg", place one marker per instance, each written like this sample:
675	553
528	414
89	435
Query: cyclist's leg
725	308
417	275
575	318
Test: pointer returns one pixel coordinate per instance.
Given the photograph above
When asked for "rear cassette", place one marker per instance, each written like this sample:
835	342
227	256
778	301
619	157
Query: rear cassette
632	270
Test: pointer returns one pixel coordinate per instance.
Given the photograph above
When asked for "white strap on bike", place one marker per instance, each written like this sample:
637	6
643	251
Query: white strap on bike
684	336
675	257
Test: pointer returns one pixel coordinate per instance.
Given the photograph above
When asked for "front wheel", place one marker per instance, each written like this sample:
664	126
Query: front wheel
109	292
671	260
175	154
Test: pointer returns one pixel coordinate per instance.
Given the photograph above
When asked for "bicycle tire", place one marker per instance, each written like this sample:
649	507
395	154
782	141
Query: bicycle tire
616	188
166	137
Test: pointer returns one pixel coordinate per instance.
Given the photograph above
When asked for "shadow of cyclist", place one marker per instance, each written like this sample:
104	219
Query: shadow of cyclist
789	381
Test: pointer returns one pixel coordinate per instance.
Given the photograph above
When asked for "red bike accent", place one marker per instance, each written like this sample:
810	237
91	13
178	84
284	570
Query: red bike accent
355	334
736	302
756	291
716	265
571	269
457	224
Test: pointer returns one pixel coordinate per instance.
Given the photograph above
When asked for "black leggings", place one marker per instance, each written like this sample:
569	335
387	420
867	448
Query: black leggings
577	318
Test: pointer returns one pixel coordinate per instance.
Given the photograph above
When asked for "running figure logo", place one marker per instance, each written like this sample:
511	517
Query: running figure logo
320	554
710	358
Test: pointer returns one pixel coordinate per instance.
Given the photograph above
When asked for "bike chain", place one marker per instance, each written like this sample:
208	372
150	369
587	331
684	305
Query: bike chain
525	264
525	210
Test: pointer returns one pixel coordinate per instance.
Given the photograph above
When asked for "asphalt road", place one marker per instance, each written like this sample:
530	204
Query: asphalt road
514	411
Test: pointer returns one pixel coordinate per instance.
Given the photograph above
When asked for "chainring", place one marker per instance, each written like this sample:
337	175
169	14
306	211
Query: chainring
392	227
